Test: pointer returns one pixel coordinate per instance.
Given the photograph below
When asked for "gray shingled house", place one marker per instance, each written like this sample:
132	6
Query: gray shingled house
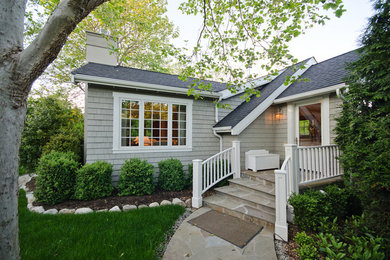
137	113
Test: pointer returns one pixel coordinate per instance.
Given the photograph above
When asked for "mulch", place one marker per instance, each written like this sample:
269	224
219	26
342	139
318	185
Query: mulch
291	245
115	200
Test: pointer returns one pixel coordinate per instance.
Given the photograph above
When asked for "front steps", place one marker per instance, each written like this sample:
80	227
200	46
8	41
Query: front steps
251	198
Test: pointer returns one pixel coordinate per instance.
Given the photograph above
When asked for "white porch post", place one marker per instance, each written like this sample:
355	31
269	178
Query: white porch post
197	183
281	229
236	160
293	177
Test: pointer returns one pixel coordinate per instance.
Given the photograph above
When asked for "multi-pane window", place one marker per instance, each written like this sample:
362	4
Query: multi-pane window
130	123
151	122
178	124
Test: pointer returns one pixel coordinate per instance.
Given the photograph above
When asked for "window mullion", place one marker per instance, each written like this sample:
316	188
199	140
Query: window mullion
141	123
169	124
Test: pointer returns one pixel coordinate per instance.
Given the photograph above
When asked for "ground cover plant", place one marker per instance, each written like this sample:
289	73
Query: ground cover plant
106	235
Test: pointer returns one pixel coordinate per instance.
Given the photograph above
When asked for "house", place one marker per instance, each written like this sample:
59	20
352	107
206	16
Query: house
137	113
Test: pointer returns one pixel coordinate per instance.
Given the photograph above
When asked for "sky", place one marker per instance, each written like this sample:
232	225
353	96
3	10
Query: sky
337	36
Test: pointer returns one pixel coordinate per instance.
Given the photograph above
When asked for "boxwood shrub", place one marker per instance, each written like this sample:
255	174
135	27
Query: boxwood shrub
190	175
56	177
94	181
136	178
171	176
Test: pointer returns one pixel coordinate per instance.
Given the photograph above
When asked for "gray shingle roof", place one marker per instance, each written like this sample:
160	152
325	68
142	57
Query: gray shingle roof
324	74
138	75
321	75
240	112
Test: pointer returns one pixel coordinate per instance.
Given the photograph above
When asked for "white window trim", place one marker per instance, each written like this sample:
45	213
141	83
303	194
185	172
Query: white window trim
117	148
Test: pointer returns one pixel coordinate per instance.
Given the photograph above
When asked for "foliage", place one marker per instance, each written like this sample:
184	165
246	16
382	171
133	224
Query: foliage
136	178
171	175
56	177
65	142
190	175
103	235
307	246
94	181
363	126
140	27
48	119
312	206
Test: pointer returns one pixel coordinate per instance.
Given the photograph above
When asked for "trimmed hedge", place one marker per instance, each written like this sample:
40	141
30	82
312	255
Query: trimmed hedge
171	176
56	177
136	178
64	142
94	181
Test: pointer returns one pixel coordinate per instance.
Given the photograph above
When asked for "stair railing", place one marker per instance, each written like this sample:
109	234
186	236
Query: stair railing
214	169
282	189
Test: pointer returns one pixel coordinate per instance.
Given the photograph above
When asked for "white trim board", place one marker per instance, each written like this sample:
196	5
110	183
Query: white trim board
309	94
138	85
245	122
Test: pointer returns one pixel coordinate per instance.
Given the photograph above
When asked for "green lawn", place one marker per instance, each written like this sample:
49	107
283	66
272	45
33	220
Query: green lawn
117	235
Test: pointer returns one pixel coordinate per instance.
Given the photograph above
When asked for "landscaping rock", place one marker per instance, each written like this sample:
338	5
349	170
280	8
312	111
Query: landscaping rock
38	209
129	207
51	211
188	203
30	206
102	210
83	211
67	211
22	180
177	201
165	202
115	209
142	206
154	204
30	197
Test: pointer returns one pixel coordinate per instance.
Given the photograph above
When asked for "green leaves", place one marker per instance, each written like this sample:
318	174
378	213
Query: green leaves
171	175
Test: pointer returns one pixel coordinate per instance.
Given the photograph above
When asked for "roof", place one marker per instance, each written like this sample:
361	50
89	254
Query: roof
138	75
321	75
324	74
240	112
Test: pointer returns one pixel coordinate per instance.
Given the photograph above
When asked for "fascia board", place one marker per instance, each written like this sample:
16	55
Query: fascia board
138	85
246	121
223	129
309	94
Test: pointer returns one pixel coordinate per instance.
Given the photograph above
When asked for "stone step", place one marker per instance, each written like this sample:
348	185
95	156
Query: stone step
243	211
266	178
250	185
250	198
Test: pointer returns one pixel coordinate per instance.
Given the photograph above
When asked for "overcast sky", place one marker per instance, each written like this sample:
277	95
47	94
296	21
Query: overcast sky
338	36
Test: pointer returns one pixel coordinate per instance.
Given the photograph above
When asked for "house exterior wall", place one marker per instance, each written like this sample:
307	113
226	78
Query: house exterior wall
334	111
99	131
265	132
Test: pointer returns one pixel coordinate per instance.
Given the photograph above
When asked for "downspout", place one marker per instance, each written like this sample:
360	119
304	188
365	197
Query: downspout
216	121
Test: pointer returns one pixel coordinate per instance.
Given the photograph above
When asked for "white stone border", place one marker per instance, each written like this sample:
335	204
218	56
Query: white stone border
39	209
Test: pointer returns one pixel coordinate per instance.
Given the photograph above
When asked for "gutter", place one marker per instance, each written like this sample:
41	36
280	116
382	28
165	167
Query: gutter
138	85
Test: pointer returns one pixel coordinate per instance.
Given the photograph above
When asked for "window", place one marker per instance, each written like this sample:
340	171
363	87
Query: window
145	123
310	125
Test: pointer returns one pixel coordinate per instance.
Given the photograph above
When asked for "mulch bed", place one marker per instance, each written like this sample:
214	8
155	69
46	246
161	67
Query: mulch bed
114	200
291	245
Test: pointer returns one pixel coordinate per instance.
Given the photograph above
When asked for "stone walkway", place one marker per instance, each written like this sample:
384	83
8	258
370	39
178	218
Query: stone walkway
190	242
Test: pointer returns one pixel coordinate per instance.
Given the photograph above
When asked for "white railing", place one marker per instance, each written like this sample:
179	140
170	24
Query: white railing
318	163
214	169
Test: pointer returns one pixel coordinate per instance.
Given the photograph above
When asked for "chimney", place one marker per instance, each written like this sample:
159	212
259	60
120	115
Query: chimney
98	49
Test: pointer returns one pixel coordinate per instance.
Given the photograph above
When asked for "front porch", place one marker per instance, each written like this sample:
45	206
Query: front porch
261	197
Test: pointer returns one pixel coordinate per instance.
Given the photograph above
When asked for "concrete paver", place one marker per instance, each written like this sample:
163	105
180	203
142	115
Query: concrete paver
191	242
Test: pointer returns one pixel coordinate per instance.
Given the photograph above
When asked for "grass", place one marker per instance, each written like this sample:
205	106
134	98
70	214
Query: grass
108	235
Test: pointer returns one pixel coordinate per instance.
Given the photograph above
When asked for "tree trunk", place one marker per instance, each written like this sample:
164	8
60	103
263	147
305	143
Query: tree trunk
11	127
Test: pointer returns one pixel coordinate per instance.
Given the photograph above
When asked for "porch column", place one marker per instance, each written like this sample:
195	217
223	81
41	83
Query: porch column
293	177
197	183
236	160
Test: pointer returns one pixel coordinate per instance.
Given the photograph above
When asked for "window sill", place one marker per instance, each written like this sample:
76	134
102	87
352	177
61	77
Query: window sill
152	150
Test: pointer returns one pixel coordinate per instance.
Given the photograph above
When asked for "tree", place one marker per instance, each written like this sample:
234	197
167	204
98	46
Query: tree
20	67
363	130
139	26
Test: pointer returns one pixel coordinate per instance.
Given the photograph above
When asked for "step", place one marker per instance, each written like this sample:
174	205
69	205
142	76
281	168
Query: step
250	185
266	178
241	211
250	198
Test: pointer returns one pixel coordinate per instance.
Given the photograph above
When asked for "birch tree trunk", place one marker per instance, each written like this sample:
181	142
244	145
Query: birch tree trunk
19	68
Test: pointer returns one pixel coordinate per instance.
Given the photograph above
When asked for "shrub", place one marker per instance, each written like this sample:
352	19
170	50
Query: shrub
307	246
94	181
136	178
65	142
190	175
56	177
171	176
